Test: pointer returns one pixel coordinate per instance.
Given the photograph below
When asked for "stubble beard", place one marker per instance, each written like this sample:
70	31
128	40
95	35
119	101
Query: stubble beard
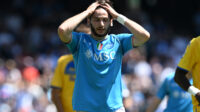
99	35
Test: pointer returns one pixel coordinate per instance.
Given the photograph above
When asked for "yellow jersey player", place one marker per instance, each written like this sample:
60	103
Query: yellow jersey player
62	84
190	62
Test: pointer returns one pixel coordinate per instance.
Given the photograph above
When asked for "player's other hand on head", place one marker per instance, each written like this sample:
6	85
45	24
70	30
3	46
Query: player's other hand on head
111	11
92	7
198	97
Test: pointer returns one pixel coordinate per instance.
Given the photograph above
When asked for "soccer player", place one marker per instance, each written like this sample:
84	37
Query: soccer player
178	99
98	57
62	83
190	62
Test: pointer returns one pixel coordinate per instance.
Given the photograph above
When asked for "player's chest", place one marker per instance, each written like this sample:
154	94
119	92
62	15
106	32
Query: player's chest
100	51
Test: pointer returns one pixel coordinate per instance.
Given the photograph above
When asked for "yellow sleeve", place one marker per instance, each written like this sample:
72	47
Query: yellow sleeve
189	58
57	78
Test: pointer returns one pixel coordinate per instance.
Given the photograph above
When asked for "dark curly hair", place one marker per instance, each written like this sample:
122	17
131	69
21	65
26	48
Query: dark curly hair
105	1
102	2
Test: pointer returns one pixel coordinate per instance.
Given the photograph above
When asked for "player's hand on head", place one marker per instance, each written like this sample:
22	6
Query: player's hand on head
198	97
110	10
92	7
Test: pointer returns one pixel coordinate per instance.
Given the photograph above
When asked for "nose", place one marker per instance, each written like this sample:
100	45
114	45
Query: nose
101	23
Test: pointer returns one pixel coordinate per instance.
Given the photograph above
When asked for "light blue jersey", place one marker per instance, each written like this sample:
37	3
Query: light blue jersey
98	85
178	99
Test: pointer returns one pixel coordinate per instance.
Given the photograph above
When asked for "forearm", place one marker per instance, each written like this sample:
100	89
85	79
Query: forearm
58	103
56	98
140	34
66	28
181	79
153	104
184	83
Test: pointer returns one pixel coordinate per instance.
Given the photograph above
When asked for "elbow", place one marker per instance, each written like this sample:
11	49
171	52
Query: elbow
147	36
61	34
61	30
64	30
64	34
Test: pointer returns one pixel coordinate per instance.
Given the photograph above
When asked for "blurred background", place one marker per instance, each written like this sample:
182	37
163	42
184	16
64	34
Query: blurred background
30	47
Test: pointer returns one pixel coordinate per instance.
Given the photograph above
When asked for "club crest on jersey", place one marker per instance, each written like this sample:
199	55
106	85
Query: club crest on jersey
70	71
88	53
70	68
99	46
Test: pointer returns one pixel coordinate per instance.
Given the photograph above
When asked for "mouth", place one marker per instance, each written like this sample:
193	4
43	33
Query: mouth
100	30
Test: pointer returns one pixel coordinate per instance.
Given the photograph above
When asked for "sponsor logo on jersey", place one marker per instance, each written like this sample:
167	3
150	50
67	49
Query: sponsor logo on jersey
103	56
109	46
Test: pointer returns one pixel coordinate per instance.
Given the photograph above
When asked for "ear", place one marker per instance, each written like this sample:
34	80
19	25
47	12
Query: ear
111	22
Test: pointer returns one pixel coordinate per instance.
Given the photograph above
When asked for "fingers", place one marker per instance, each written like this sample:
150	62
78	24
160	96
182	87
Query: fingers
110	10
92	7
105	5
95	4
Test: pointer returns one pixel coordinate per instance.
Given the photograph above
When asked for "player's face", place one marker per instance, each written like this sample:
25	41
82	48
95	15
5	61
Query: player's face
100	22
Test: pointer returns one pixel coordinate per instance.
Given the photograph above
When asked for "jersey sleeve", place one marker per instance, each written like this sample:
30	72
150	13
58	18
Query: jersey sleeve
56	81
162	90
126	41
73	45
189	58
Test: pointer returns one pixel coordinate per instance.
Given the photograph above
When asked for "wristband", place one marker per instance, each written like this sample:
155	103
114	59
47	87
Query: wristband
193	90
121	19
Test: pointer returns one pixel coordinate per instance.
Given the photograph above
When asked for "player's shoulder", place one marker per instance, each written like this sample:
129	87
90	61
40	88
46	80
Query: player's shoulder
195	40
120	36
195	43
66	57
198	37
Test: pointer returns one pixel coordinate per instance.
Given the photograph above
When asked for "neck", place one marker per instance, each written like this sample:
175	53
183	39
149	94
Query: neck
97	38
